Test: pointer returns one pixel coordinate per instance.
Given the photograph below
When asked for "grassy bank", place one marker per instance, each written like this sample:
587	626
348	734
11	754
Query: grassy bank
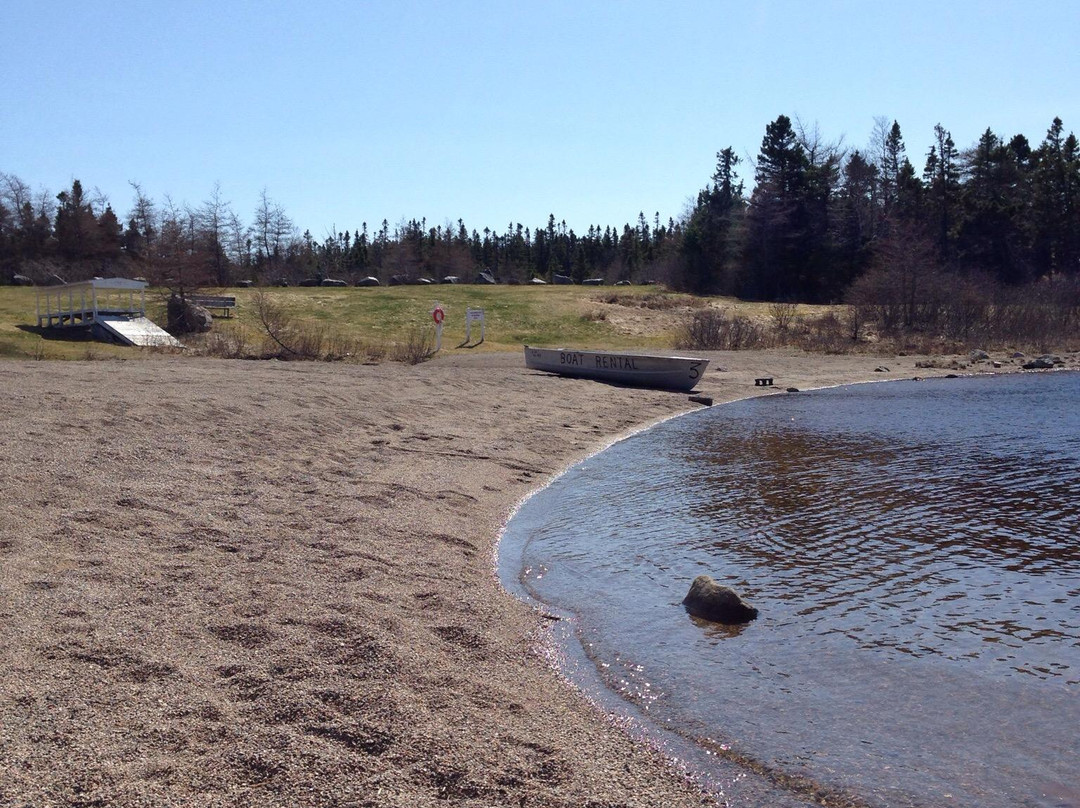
372	324
627	317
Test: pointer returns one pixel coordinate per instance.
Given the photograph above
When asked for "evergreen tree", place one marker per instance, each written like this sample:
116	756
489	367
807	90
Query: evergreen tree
76	226
822	277
708	248
1055	201
988	238
109	235
780	227
857	215
910	194
892	161
942	179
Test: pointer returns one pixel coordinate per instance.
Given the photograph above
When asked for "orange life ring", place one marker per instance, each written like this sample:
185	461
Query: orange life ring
437	315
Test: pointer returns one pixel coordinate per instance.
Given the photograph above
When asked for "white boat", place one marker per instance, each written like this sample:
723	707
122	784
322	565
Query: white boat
638	370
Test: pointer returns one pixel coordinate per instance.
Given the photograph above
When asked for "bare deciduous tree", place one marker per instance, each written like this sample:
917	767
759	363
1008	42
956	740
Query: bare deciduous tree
14	193
272	230
143	214
212	219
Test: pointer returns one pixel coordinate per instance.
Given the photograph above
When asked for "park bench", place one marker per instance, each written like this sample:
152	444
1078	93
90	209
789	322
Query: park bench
226	303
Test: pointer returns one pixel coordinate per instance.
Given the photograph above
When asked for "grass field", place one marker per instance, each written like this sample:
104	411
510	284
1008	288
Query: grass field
618	318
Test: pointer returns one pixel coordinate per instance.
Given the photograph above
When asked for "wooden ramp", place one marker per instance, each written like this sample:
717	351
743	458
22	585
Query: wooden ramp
137	331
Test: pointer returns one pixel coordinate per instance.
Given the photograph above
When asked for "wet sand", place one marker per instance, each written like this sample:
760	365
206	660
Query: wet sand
263	583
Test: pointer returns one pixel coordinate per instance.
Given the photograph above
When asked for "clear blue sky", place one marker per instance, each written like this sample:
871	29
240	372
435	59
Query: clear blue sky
495	112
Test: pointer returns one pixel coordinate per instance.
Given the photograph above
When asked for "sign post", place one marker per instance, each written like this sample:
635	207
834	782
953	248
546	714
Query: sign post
473	316
438	315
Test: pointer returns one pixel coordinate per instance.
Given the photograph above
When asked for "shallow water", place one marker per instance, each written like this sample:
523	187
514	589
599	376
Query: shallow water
913	548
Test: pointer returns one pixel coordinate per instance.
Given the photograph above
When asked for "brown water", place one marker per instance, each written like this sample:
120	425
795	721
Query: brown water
914	549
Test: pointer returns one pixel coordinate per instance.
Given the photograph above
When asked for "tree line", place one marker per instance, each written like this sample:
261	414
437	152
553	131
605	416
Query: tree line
822	222
819	217
77	234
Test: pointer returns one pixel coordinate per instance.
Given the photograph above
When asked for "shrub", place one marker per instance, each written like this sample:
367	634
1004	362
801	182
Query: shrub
826	334
418	347
782	315
719	330
653	300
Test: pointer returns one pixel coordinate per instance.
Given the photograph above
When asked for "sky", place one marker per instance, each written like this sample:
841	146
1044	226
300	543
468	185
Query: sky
345	111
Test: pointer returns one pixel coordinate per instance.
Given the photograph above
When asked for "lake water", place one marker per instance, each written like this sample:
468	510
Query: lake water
913	548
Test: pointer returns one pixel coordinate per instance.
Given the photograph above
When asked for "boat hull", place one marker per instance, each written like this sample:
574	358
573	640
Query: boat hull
637	370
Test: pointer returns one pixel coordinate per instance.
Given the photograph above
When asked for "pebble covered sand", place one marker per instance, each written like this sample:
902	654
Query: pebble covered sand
229	583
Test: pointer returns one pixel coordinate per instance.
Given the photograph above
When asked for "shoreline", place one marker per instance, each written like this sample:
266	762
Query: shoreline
608	692
235	583
713	766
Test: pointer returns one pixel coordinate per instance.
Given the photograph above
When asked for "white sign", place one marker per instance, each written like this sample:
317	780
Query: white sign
473	316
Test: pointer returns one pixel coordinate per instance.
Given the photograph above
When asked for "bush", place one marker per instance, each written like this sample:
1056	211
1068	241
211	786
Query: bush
943	311
652	300
719	330
782	315
826	334
419	346
231	344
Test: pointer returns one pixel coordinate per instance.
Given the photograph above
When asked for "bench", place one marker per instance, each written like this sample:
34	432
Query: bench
224	302
765	381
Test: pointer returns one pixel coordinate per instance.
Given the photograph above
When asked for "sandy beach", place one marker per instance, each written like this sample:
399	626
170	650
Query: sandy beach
263	583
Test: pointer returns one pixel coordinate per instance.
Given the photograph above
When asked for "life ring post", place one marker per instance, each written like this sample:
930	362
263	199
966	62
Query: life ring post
438	315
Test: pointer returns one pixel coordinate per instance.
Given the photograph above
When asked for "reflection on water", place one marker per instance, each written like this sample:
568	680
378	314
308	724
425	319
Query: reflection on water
912	548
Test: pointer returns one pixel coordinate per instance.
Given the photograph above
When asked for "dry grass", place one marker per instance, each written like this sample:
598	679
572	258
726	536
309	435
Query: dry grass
418	346
655	301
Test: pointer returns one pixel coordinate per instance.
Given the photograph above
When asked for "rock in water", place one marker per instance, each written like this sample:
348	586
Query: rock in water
710	601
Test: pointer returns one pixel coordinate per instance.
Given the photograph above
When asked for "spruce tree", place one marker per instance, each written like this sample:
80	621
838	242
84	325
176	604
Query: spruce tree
708	249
